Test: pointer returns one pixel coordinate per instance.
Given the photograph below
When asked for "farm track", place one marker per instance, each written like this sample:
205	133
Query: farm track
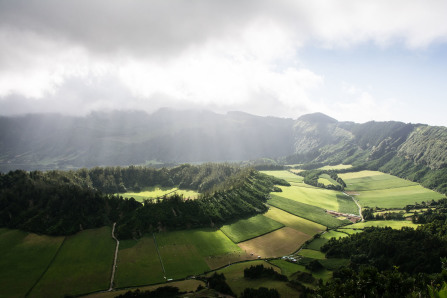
159	256
112	278
358	205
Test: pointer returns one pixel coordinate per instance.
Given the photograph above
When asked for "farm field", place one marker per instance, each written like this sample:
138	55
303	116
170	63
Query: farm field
286	175
334	234
323	198
159	191
336	167
82	265
24	258
373	180
189	285
275	244
234	275
327	180
298	223
138	263
395	224
252	227
310	253
306	211
288	268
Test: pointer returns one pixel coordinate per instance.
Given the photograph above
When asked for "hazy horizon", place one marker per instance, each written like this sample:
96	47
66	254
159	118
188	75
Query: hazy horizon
353	61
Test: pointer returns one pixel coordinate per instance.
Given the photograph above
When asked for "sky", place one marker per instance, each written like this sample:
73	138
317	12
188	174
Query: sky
352	60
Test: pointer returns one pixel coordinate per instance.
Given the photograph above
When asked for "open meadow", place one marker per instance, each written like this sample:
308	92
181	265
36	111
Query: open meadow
395	224
286	175
158	192
82	265
24	258
376	189
298	223
249	228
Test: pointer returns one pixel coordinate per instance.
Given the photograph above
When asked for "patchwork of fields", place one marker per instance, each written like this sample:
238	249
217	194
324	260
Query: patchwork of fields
376	189
82	263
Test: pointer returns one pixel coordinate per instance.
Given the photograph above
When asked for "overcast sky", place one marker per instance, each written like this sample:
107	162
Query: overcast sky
353	60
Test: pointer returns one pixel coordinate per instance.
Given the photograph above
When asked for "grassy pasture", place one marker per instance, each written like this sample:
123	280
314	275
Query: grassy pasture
24	258
333	234
317	243
336	167
346	204
395	224
288	268
252	227
323	198
306	211
138	263
310	253
289	220
275	244
234	275
373	180
189	285
350	231
286	175
159	191
327	180
83	264
397	197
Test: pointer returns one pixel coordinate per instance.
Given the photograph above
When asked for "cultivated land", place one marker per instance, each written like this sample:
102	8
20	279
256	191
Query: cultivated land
309	212
376	189
333	234
138	263
395	224
286	175
158	192
252	227
298	223
24	258
327	180
234	275
82	265
275	244
337	167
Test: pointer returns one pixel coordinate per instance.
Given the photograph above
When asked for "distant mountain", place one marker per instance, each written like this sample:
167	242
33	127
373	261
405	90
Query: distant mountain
49	141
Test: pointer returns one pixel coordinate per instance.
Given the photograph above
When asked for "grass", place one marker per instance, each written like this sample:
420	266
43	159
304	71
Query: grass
24	258
327	180
333	234
397	197
350	231
252	227
309	212
275	244
323	198
286	175
298	223
317	243
158	192
189	285
234	275
347	205
83	265
138	263
310	253
336	167
196	250
288	268
373	180
395	224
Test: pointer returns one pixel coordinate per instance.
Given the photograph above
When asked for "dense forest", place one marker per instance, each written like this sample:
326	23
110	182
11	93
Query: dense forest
61	203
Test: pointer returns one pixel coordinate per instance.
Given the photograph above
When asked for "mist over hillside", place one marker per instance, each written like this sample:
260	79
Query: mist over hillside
51	141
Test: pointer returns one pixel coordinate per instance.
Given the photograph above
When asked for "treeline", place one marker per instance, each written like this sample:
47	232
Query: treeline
392	263
259	271
311	177
63	203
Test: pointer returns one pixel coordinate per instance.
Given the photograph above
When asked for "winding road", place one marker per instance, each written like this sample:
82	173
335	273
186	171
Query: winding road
112	278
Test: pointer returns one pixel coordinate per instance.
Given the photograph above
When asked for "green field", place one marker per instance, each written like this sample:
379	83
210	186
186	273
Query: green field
234	275
310	253
252	227
395	224
327	180
333	234
309	212
373	180
191	249
286	175
288	268
289	220
24	258
138	263
158	192
336	167
317	243
83	265
397	197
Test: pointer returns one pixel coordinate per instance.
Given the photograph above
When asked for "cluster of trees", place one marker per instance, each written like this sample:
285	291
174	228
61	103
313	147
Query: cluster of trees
368	214
259	271
166	291
63	203
262	292
218	282
311	178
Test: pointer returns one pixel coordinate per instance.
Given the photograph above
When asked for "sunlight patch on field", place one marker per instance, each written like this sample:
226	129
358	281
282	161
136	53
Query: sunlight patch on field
286	175
275	244
298	223
395	224
323	198
158	192
336	167
252	227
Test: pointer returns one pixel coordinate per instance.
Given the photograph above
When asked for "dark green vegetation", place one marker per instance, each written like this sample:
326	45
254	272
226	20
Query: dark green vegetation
62	203
259	271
